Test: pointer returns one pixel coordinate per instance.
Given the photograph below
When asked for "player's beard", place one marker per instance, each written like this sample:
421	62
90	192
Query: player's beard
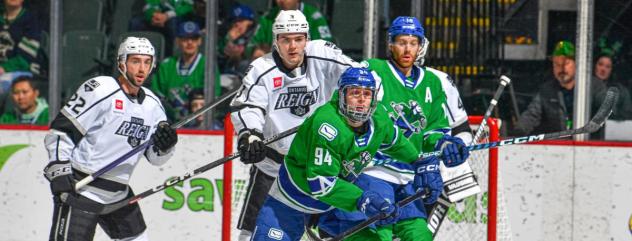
400	62
564	77
130	78
403	64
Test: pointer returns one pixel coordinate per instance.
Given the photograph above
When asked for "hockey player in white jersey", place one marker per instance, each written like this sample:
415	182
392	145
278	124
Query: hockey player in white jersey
104	119
280	90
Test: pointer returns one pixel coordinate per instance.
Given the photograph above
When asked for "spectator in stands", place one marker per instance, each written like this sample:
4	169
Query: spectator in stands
261	43
231	48
552	107
197	15
29	108
603	72
603	68
196	102
161	16
177	75
19	38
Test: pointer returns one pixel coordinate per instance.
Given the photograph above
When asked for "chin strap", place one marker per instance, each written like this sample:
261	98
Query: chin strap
123	72
129	81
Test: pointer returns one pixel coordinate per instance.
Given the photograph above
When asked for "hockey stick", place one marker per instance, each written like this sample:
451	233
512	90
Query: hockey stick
108	208
440	208
592	126
367	222
88	179
504	81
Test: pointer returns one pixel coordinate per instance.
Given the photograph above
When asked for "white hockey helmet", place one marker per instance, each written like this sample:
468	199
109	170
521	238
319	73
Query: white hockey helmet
134	45
290	21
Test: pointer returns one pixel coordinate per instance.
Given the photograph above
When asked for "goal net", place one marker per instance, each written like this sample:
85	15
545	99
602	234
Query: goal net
483	216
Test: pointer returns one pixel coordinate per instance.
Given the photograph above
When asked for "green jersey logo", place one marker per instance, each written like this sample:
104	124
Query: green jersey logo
328	131
408	117
354	167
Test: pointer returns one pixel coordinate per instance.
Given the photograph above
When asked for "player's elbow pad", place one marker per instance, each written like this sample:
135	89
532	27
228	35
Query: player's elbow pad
58	145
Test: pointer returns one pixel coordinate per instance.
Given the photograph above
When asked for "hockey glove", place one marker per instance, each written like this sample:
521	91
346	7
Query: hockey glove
165	137
59	174
371	204
250	146
453	150
428	178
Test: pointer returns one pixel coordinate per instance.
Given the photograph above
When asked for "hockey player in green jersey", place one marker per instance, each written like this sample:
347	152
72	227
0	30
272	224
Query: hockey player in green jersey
416	102
329	152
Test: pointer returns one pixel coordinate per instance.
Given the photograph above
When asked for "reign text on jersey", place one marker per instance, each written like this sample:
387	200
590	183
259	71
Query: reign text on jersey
298	99
134	129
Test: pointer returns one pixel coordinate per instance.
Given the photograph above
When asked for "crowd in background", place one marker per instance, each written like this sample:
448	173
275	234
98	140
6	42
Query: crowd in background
244	34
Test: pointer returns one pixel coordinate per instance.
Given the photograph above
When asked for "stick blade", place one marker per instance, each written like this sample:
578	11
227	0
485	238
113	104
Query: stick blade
604	110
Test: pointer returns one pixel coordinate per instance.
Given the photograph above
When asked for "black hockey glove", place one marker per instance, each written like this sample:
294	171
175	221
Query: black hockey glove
165	137
59	174
251	147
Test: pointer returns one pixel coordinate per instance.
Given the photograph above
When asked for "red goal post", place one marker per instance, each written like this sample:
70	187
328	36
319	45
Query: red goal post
477	217
492	182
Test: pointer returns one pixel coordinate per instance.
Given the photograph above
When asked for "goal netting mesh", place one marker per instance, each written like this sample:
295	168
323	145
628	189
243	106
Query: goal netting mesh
479	217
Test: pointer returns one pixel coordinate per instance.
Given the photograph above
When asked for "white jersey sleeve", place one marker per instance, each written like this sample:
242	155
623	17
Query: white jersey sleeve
81	113
154	157
250	103
331	60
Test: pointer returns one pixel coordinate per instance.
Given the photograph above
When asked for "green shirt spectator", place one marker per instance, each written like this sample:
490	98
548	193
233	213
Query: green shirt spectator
261	42
170	9
178	75
19	39
29	108
162	16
